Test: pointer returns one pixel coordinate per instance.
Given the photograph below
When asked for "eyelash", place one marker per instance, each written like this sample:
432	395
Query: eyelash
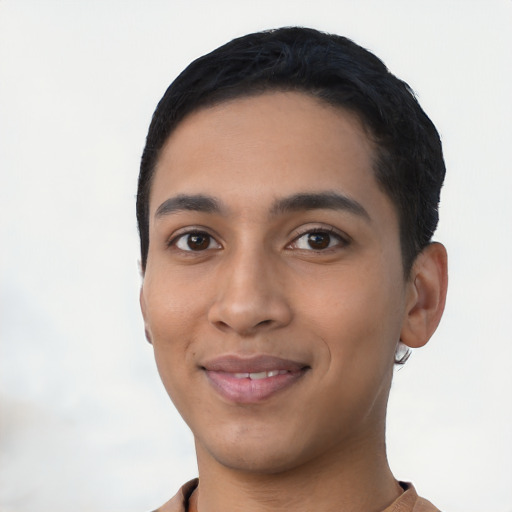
186	235
329	231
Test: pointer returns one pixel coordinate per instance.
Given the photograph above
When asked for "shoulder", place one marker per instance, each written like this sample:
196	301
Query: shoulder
179	502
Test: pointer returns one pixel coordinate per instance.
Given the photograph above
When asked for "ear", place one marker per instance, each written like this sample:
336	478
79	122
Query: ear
142	302
428	283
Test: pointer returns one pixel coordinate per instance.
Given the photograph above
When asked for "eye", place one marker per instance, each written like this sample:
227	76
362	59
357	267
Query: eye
195	241
318	240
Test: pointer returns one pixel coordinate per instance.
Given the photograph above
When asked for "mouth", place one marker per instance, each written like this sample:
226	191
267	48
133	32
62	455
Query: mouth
252	380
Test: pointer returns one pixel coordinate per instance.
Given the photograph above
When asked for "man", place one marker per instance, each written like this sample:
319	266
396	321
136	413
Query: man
287	199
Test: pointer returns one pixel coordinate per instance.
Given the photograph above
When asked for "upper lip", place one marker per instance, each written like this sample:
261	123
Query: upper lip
251	364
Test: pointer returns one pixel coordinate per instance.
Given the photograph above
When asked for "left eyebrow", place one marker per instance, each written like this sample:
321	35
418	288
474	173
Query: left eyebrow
319	201
182	202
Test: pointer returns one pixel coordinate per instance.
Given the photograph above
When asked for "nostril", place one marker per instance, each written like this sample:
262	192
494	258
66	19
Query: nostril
263	323
222	325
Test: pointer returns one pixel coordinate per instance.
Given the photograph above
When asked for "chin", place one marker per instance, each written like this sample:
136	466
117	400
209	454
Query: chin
262	460
247	450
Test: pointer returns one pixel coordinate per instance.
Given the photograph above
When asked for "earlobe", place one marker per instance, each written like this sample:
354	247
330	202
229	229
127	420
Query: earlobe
427	295
143	310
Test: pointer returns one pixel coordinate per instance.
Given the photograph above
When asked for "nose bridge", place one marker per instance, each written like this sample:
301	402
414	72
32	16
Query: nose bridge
249	296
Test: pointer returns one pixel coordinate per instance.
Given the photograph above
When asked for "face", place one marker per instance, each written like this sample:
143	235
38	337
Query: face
274	293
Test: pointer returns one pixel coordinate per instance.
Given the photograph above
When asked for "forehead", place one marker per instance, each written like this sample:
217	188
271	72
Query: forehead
278	141
251	151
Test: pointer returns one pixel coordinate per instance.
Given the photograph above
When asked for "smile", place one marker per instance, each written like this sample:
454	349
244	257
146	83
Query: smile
252	380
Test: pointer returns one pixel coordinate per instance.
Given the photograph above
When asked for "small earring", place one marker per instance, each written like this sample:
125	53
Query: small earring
402	353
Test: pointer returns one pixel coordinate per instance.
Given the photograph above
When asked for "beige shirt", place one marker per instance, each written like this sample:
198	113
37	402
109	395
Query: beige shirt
409	501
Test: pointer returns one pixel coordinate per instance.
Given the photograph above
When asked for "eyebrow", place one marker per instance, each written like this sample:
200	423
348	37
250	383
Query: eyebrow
297	202
196	203
319	201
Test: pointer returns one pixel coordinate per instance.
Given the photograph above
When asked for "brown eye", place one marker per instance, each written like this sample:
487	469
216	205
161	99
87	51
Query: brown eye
319	240
196	241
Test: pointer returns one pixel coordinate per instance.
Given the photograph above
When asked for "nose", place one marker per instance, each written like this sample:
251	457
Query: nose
251	296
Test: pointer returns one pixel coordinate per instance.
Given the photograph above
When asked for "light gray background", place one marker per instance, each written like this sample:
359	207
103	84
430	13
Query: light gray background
85	423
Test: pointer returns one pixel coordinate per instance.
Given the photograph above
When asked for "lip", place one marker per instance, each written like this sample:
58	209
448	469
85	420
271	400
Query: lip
230	376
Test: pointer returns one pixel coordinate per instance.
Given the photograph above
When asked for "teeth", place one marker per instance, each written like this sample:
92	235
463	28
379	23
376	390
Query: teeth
259	375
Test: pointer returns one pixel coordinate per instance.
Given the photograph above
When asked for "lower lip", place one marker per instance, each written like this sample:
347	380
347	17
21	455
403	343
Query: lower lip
249	391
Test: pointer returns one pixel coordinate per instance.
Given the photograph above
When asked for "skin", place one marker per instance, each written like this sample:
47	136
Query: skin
255	281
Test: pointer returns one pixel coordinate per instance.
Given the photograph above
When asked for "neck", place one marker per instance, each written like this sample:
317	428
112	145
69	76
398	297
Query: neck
353	480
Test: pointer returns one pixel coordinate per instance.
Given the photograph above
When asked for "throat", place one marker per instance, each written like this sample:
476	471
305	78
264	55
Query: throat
359	487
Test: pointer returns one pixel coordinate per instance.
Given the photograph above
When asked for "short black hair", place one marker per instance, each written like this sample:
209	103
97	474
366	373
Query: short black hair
409	165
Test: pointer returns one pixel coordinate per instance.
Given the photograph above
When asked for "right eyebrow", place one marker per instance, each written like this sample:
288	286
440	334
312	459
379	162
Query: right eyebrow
182	202
327	200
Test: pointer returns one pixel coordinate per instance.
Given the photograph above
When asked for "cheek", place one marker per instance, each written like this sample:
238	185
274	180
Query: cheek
357	314
358	325
173	333
174	302
173	313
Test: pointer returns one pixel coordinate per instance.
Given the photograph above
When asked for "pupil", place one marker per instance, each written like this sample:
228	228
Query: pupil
198	242
319	240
